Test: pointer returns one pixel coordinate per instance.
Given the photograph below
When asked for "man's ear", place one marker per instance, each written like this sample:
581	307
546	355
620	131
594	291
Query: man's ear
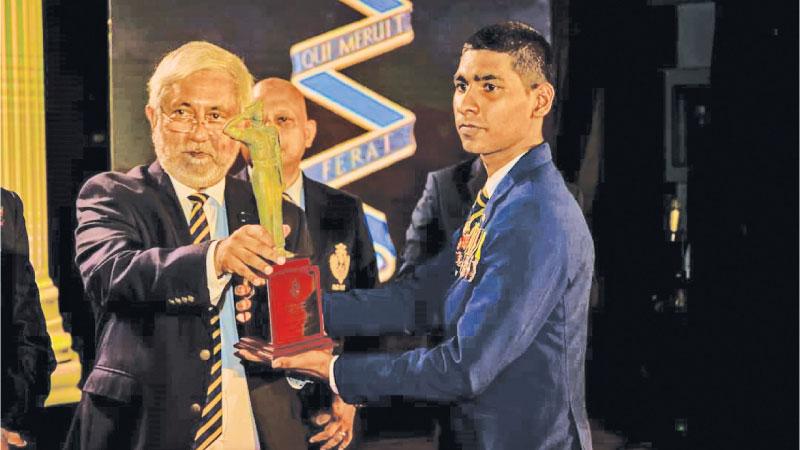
151	116
310	132
543	96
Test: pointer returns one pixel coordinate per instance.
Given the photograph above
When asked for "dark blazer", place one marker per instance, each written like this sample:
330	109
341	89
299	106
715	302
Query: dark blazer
28	358
336	217
333	216
441	210
148	286
515	343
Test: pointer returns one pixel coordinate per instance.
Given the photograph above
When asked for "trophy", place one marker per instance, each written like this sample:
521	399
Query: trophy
290	320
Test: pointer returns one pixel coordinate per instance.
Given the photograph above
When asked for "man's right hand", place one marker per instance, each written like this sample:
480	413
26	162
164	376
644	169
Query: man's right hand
12	438
247	253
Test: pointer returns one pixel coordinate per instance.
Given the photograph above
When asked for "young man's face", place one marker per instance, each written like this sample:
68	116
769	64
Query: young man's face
187	130
493	107
284	108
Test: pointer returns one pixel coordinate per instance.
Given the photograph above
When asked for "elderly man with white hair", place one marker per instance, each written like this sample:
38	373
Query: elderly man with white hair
157	248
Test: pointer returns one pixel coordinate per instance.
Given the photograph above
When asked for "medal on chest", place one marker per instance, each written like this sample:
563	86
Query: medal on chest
468	250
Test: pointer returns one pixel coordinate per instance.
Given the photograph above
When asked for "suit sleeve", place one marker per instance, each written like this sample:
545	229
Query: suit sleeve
367	271
504	313
425	235
120	270
408	305
30	374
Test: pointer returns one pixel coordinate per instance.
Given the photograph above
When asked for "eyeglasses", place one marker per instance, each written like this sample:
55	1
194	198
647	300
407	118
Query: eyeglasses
183	120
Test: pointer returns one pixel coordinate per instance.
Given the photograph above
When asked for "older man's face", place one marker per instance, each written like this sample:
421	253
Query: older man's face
187	131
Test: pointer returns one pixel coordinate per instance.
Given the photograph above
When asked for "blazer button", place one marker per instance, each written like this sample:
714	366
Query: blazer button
205	355
196	408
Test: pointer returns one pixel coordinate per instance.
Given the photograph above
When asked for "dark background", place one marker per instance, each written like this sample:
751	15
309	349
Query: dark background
717	370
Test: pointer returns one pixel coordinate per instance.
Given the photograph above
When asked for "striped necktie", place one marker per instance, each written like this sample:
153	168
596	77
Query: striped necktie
468	247
476	213
289	199
211	419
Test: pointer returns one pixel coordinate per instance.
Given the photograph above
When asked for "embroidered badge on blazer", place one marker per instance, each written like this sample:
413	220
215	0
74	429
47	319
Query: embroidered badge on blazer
468	250
340	265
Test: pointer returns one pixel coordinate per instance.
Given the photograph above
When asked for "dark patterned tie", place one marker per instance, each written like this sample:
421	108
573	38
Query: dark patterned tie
468	247
211	420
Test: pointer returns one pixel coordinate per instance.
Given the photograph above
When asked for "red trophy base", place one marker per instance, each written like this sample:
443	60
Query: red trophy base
295	311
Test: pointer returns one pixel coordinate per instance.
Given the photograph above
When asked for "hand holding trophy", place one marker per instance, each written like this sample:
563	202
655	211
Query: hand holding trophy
290	320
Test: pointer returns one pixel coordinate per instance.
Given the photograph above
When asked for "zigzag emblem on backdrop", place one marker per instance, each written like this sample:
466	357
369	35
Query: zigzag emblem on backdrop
390	127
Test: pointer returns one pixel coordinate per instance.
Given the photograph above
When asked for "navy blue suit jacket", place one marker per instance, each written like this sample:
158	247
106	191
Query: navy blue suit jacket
147	283
515	336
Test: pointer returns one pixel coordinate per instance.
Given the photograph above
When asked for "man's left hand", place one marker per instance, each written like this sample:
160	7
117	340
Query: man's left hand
338	425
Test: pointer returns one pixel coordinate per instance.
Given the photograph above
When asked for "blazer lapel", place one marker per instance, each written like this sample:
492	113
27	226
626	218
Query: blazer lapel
166	193
535	157
240	206
477	178
314	200
239	169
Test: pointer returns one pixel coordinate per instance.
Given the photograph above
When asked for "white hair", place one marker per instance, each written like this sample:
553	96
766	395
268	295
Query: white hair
193	57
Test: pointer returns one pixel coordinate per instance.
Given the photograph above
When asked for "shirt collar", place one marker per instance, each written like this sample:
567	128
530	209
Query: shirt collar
495	178
217	191
295	191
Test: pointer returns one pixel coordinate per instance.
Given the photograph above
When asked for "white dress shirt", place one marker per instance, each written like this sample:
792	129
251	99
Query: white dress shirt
296	193
238	423
488	190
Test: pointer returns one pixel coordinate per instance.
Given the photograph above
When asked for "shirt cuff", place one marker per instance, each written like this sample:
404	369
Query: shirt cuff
331	379
215	284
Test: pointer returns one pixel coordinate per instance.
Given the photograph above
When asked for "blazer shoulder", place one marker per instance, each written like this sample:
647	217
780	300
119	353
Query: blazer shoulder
127	188
10	199
541	201
133	179
332	196
543	194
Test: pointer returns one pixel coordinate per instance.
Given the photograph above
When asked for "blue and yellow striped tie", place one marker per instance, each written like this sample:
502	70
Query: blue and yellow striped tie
211	420
477	211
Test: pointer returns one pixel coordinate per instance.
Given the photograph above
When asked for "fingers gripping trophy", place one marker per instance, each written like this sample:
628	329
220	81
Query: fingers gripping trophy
290	319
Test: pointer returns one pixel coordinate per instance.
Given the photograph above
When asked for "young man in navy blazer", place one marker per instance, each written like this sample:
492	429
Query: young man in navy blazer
512	296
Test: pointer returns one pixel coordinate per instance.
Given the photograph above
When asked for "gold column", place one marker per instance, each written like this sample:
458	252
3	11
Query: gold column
23	170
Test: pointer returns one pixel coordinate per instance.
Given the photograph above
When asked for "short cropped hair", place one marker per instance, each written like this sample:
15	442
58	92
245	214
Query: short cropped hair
193	57
533	58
